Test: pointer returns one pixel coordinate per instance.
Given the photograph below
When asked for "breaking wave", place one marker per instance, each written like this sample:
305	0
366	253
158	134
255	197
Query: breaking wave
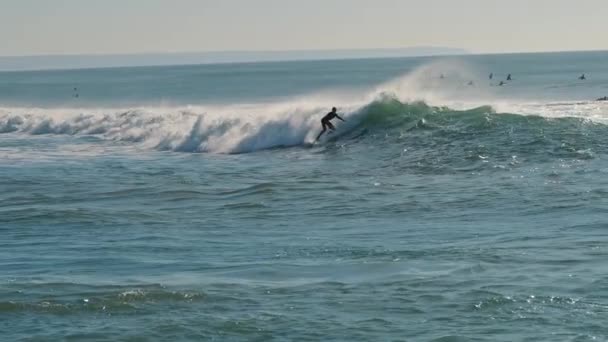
410	102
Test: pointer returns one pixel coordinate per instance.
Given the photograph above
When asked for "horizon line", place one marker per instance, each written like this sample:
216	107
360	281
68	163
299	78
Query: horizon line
235	51
448	52
270	51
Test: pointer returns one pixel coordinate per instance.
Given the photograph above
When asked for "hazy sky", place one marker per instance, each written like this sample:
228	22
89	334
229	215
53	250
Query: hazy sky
133	26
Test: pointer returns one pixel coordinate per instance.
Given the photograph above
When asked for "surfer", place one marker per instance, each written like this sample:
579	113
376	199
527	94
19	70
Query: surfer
605	98
509	77
325	122
491	76
582	78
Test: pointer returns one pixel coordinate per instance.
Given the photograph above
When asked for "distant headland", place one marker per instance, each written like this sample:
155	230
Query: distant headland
50	62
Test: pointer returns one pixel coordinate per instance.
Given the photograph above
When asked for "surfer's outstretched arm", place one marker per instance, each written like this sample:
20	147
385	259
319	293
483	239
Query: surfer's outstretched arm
338	116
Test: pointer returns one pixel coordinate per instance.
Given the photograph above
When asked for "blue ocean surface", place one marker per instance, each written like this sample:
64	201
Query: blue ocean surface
191	203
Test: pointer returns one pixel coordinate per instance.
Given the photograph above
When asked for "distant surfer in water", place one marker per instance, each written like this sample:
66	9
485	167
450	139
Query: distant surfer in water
325	122
582	78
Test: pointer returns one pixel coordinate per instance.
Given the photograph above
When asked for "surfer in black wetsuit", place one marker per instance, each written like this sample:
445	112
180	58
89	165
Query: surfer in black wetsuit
325	122
582	78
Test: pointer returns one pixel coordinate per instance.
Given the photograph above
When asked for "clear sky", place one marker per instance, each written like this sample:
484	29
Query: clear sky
32	27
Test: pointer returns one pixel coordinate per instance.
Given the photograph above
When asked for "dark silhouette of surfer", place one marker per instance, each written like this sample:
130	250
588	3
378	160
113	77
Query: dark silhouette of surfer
491	76
509	77
582	78
605	98
325	122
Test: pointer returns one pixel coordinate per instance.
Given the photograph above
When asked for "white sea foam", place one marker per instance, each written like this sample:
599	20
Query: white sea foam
246	128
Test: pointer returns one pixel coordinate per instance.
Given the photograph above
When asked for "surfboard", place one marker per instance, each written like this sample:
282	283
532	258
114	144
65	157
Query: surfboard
325	137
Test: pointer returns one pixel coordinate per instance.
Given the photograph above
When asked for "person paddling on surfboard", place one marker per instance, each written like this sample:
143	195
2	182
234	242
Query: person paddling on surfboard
325	122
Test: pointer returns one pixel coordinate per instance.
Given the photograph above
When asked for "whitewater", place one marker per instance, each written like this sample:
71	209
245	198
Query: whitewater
241	127
191	202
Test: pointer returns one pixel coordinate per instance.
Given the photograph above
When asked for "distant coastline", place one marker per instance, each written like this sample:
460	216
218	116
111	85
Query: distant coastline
54	62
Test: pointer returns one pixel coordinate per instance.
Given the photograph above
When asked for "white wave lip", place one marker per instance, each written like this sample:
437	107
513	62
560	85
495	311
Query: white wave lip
236	129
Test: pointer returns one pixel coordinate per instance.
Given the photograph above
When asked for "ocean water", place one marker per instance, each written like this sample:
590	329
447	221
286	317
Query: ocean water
189	202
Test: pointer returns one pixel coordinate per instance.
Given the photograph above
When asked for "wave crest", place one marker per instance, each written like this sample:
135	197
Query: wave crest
242	129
